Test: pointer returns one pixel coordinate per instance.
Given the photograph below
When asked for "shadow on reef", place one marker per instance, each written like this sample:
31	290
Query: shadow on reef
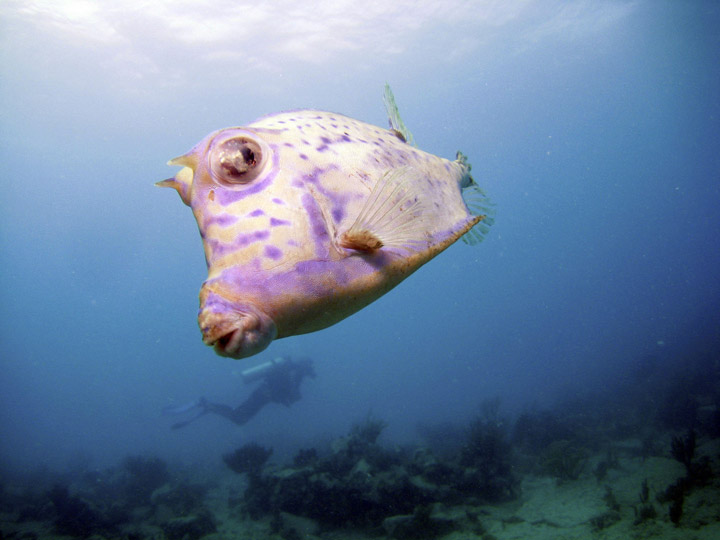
361	484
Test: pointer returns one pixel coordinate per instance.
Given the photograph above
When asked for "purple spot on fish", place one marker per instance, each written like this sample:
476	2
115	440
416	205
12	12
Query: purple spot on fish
325	140
322	148
289	145
278	201
303	156
224	220
274	222
345	138
273	252
337	214
256	213
317	224
246	239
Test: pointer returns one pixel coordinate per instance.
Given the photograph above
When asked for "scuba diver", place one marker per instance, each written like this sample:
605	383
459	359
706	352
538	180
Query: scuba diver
281	380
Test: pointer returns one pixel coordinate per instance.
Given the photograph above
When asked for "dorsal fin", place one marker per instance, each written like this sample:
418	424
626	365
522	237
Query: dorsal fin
397	126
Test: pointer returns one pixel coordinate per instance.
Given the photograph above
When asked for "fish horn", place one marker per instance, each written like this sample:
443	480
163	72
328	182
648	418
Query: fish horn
182	181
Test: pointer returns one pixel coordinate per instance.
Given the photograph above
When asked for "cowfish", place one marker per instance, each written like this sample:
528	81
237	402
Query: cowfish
308	216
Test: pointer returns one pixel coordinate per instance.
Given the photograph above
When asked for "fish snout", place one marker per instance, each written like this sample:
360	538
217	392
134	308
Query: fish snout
233	331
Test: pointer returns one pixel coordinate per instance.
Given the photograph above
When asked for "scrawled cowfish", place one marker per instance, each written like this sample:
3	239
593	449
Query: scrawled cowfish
309	216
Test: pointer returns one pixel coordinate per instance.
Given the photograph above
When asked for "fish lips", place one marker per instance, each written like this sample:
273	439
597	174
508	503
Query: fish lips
234	331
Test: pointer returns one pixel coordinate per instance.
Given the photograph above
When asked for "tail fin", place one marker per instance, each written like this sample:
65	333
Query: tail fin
478	204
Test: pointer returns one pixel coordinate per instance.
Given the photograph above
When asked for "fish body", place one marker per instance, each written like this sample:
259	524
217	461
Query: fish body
308	216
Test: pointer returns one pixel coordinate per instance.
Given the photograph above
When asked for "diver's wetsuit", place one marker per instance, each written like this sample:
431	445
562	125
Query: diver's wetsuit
280	385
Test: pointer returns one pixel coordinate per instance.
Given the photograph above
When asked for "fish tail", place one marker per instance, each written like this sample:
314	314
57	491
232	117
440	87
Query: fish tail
477	202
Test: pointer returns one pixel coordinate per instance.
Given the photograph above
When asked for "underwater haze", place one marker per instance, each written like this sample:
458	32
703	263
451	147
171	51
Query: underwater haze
594	127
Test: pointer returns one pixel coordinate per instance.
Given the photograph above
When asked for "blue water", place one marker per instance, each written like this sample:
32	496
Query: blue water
594	127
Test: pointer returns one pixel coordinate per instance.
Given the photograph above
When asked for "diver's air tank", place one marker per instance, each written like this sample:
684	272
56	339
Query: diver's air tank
258	372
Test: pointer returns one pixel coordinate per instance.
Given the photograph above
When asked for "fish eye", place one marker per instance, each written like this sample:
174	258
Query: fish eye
237	160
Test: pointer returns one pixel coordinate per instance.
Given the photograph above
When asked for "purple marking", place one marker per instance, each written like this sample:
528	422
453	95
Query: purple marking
325	140
317	225
273	252
303	156
305	142
322	148
229	196
338	213
241	240
289	145
218	249
224	220
278	201
345	138
256	213
275	222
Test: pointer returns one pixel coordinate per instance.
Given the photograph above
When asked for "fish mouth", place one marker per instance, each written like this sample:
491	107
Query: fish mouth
235	332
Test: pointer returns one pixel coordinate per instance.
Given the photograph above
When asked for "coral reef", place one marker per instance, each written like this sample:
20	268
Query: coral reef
563	460
143	475
75	516
362	484
486	455
248	459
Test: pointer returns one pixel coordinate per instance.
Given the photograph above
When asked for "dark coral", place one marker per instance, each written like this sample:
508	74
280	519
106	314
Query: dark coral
486	457
564	460
248	459
75	516
683	449
143	476
362	484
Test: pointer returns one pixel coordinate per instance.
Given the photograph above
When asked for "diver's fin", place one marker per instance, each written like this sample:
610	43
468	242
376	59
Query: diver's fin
397	126
180	409
392	215
478	204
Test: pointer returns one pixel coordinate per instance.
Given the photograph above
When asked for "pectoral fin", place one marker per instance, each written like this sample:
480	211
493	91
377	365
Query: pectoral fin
392	215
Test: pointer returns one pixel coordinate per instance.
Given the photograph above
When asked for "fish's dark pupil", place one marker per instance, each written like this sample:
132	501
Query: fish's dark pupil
249	156
239	160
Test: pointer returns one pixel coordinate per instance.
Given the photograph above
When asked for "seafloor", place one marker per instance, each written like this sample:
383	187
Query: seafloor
546	508
639	461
